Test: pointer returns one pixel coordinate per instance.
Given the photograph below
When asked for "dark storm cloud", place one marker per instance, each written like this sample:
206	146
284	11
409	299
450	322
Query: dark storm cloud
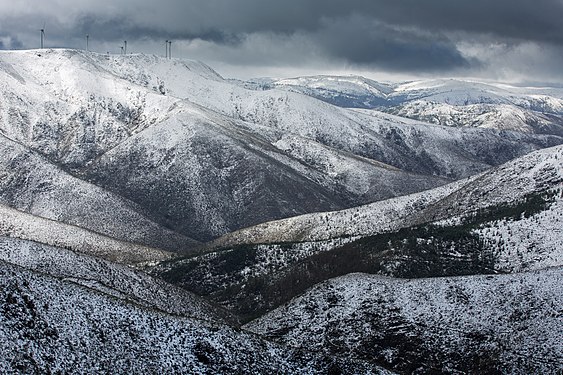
538	20
407	35
355	39
335	26
388	47
112	28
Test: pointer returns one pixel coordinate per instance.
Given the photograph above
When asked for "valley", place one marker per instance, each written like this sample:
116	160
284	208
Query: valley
157	217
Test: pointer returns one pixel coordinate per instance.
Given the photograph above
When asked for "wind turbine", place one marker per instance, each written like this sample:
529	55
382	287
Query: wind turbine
169	49
87	40
43	35
125	50
121	49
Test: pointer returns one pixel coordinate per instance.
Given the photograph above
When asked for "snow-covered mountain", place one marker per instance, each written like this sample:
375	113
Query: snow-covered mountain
510	182
203	156
473	275
507	219
479	324
31	183
344	91
60	312
445	102
114	166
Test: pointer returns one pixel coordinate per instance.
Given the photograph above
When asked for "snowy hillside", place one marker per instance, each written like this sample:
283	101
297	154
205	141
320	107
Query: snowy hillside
50	325
121	282
32	184
445	102
535	172
492	116
116	169
507	219
478	324
17	224
221	156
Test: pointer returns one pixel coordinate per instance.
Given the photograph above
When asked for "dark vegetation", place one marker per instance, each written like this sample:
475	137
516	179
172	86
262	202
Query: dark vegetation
422	251
42	336
404	346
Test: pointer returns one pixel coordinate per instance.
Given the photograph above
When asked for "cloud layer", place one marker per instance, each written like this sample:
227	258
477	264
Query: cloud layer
412	37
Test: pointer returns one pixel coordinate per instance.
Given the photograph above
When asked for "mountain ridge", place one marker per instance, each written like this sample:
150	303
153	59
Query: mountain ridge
117	166
450	102
419	200
500	224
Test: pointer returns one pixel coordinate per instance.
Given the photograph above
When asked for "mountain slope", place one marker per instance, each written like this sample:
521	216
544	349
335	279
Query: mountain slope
484	324
64	310
215	177
536	172
30	183
119	157
120	281
204	156
445	102
495	222
44	329
17	224
94	104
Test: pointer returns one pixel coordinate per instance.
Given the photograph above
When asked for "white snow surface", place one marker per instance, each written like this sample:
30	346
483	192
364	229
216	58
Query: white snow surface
446	91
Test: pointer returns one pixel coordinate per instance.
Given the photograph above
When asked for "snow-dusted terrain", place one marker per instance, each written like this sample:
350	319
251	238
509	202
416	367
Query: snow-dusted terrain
534	242
507	219
219	155
17	224
32	184
119	281
51	325
479	324
535	172
440	101
114	166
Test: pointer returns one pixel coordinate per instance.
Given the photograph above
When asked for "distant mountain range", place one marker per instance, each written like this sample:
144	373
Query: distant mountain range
149	207
449	102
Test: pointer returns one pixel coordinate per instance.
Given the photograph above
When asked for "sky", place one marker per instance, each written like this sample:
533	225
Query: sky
503	40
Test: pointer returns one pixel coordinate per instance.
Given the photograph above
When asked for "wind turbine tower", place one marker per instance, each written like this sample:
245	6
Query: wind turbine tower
87	42
125	49
42	37
169	49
